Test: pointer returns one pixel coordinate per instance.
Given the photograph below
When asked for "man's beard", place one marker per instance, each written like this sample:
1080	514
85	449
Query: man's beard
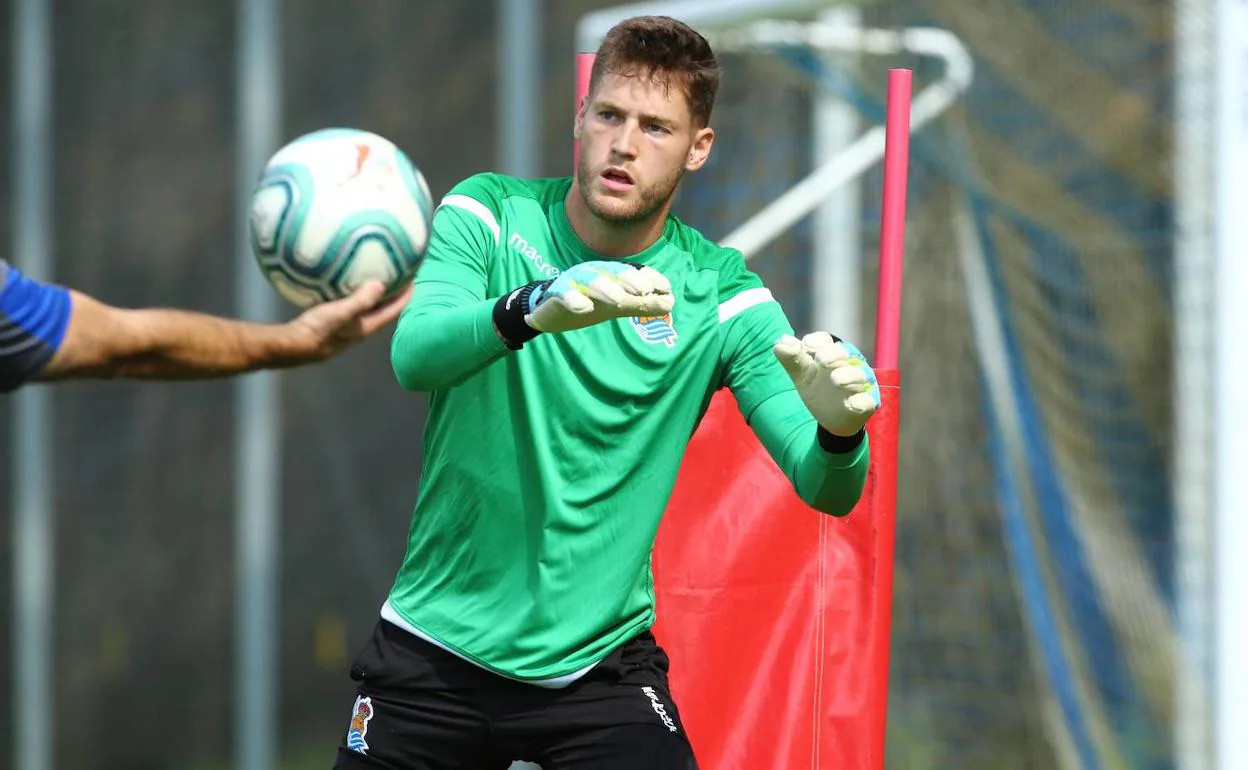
648	201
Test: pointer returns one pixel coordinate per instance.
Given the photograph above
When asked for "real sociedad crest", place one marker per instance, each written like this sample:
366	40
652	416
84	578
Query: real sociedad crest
361	713
655	329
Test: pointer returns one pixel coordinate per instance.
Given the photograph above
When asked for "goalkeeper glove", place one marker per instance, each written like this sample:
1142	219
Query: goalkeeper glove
584	295
833	379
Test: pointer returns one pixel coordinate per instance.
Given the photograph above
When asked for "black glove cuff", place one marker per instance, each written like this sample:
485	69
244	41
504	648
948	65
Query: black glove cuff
509	314
839	445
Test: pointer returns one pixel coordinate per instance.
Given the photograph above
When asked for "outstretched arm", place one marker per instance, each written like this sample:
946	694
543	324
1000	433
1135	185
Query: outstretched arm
453	327
828	471
102	341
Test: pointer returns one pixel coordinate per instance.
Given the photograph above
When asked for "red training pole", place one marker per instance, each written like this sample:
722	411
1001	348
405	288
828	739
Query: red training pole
893	221
880	501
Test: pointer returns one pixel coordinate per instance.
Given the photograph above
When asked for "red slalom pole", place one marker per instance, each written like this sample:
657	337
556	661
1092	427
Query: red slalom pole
880	502
893	220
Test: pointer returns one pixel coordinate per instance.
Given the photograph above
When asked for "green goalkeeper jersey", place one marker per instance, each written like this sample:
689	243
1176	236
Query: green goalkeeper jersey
547	469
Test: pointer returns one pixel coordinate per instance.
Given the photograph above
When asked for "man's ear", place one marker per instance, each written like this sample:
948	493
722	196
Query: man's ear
579	121
701	149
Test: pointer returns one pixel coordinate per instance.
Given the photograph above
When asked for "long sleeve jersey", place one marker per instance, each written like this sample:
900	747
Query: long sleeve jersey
548	469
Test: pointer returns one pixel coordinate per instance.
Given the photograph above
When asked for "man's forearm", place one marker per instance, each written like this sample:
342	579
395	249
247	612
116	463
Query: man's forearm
444	336
179	344
108	342
828	481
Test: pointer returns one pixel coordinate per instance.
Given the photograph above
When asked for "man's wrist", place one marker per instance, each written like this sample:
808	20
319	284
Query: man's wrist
508	316
839	445
284	344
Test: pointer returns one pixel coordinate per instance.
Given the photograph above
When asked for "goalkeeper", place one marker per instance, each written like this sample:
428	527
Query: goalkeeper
570	333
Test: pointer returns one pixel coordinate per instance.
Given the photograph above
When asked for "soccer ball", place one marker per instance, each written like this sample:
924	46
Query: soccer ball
336	208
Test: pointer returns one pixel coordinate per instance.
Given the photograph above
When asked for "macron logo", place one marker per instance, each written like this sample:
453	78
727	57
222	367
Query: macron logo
517	242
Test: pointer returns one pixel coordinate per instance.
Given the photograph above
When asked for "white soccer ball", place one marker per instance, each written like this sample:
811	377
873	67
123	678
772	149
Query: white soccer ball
336	208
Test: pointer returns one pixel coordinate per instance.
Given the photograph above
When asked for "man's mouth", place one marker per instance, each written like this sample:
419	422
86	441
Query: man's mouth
617	179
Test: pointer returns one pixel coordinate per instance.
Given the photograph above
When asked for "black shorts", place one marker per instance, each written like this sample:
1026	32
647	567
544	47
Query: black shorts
418	707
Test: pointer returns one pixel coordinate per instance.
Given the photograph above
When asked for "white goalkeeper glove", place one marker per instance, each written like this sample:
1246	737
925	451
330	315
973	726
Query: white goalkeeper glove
833	379
584	295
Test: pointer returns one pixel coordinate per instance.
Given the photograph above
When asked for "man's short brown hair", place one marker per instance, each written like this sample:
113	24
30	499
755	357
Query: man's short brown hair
664	50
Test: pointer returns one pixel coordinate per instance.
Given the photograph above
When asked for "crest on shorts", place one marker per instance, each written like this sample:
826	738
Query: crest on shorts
655	329
361	713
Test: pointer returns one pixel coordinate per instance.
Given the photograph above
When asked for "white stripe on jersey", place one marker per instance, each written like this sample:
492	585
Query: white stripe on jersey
476	208
743	301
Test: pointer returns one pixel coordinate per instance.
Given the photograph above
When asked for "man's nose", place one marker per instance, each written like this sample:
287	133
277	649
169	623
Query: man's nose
624	140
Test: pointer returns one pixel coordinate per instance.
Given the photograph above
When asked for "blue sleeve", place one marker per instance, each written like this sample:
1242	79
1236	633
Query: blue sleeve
33	320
